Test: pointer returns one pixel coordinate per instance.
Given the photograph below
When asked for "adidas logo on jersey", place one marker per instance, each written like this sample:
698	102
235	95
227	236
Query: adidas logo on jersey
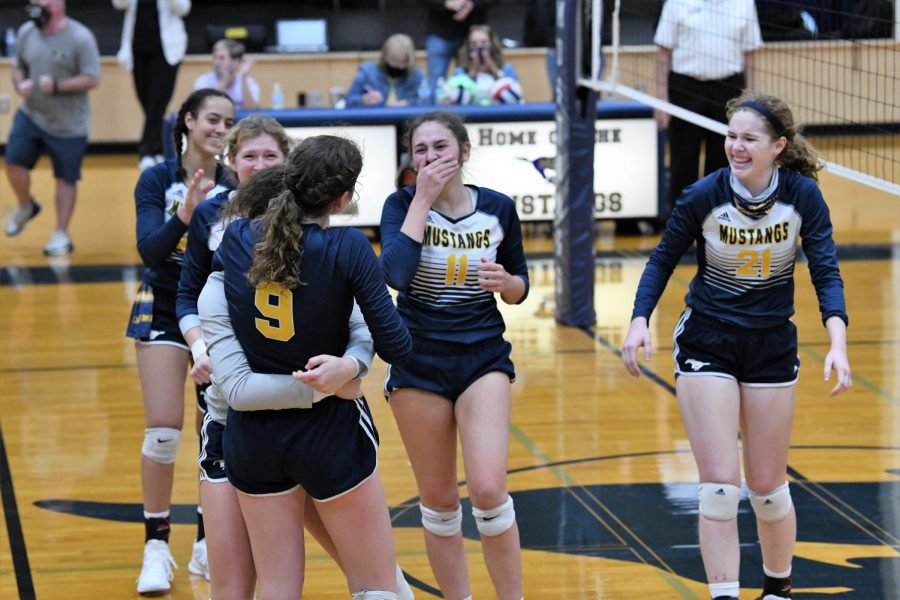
724	217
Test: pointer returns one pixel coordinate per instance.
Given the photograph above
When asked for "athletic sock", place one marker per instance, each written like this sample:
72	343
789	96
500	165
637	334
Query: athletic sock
725	589
777	586
201	532
156	526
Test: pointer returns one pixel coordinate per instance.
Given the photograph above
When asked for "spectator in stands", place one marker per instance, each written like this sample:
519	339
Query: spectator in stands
700	67
482	76
394	80
446	30
154	42
230	74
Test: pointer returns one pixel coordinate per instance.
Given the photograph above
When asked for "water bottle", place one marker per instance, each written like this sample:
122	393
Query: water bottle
10	42
424	93
439	91
277	97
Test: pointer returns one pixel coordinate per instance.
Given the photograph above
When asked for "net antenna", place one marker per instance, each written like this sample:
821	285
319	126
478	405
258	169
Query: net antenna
842	83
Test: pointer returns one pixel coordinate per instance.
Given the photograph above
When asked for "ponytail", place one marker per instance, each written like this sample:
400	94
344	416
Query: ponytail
278	256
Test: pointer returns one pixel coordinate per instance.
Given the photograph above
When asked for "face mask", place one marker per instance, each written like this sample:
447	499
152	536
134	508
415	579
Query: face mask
39	15
394	72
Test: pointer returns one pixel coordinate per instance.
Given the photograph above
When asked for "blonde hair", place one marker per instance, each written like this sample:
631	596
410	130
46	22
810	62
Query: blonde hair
399	43
251	127
234	48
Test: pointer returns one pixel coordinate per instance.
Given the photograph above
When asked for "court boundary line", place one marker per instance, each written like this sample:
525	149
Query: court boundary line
14	531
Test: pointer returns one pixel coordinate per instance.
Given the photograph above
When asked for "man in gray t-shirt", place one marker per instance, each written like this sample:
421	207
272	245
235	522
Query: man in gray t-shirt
57	63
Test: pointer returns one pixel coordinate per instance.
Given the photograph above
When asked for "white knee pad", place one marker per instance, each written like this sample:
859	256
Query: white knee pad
373	595
161	444
719	501
495	521
773	506
444	524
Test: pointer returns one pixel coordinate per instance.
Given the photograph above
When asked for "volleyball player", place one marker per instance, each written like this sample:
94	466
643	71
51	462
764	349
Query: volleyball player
736	363
254	144
164	210
448	248
290	282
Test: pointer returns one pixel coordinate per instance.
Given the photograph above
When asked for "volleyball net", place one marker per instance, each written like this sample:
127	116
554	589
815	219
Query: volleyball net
836	63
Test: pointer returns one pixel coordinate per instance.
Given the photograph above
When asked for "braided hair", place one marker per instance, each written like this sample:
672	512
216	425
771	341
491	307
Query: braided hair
193	105
318	172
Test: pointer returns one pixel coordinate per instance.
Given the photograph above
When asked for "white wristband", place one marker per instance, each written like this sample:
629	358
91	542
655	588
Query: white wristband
198	349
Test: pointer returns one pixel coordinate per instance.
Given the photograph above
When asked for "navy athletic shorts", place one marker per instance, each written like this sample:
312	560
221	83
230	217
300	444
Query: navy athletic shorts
449	368
153	319
27	141
328	449
752	357
212	456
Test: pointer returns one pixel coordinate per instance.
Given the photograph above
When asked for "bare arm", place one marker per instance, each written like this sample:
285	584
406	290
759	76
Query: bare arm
79	83
836	359
243	72
21	82
249	101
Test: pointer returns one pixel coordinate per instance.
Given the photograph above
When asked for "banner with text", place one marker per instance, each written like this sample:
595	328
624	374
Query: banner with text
518	160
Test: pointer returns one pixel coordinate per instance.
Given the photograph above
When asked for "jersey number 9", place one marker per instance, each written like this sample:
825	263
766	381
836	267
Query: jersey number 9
276	304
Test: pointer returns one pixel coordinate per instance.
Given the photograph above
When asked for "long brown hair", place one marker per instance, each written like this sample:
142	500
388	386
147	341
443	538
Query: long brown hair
451	121
798	154
464	56
318	172
253	202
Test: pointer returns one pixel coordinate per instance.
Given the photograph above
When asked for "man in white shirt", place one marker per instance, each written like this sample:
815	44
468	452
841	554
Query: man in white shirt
230	74
705	58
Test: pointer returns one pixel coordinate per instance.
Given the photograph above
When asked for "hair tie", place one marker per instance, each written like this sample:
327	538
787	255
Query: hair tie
768	114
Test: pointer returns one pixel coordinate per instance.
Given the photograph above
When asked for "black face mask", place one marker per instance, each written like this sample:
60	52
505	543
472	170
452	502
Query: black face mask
39	15
394	72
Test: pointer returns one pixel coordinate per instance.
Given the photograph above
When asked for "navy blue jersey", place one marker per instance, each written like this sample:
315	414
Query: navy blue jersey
437	280
161	236
745	266
204	235
281	329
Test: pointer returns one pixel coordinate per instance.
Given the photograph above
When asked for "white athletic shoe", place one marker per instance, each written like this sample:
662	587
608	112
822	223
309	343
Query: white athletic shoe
60	244
17	220
199	564
404	592
156	573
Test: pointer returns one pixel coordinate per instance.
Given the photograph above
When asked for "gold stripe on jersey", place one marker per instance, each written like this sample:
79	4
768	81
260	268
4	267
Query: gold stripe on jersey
743	252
